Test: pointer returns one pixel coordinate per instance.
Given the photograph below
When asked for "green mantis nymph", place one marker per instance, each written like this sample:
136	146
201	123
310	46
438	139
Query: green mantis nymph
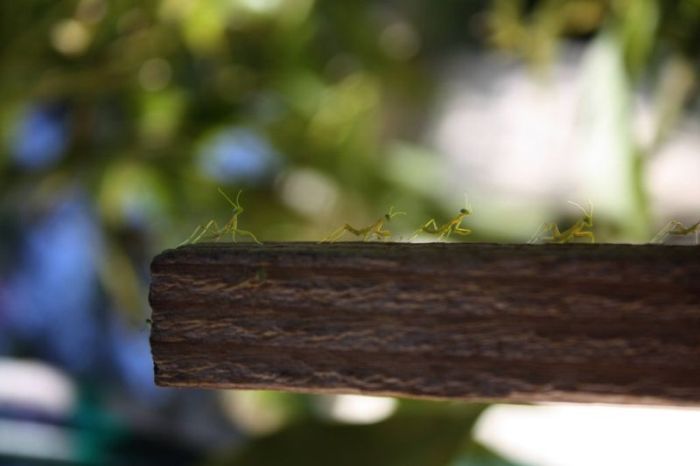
212	228
577	230
676	228
376	229
453	226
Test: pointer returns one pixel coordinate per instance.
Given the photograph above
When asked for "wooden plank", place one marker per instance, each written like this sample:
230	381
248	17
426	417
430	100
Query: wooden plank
572	322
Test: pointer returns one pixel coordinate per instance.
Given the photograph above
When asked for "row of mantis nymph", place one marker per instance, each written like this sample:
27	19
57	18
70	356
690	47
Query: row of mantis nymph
547	233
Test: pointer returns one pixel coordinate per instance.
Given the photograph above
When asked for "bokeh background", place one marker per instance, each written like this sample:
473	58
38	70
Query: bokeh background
120	119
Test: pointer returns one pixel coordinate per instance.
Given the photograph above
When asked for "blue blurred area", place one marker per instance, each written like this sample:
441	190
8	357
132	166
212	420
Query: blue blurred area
53	307
42	136
130	354
51	297
239	155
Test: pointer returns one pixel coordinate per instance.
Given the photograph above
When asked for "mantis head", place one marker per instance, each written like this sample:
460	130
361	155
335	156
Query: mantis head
587	214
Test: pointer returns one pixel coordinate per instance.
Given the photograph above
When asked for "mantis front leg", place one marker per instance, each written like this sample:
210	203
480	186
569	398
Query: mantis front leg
377	230
379	233
246	233
460	230
585	234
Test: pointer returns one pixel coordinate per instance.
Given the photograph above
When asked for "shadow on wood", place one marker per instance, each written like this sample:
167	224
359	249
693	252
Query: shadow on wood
572	322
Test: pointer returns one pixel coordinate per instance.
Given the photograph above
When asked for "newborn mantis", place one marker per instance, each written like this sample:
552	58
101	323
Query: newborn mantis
445	230
230	227
376	229
678	229
577	230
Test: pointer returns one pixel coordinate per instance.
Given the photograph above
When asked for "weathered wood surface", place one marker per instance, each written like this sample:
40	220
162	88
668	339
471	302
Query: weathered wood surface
604	323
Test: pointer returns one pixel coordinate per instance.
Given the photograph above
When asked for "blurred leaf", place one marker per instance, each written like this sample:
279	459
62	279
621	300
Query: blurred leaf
161	114
246	13
202	23
122	283
132	194
477	454
639	20
344	112
261	412
678	81
419	434
611	166
413	167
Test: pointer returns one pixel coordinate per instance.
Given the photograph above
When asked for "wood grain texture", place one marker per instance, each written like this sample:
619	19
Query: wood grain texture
603	323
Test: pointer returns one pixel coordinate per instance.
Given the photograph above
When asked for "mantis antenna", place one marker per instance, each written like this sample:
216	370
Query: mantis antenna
467	204
393	213
588	212
238	196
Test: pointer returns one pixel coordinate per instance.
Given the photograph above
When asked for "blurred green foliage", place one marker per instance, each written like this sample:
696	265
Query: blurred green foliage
418	434
332	86
656	41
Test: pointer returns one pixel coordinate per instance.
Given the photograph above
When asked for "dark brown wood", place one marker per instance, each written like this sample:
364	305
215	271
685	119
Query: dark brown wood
603	323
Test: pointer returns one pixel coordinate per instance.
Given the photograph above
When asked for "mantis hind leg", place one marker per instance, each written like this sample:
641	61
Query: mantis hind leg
189	239
444	232
667	230
680	230
426	228
552	227
204	231
337	234
430	223
333	236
